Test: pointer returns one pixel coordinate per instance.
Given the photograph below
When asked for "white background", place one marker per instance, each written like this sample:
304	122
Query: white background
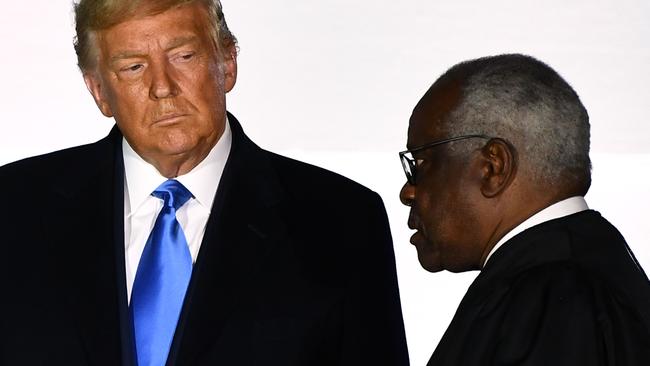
333	83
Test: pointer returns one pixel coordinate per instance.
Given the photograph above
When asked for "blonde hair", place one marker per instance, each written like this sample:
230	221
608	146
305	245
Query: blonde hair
95	15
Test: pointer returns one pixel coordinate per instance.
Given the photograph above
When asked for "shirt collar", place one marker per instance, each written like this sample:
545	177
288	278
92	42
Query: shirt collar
563	208
141	178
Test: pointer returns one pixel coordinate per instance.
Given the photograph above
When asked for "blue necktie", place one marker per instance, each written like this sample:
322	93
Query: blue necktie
161	280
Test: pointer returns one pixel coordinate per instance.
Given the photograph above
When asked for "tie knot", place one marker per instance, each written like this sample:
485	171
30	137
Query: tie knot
173	193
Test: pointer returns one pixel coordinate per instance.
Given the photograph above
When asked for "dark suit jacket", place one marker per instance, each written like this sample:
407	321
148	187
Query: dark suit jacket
296	266
565	292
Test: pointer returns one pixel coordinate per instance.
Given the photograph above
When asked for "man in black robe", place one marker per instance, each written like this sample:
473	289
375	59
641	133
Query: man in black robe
497	169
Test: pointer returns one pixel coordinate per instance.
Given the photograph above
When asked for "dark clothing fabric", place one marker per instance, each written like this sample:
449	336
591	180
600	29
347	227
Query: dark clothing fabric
296	266
565	292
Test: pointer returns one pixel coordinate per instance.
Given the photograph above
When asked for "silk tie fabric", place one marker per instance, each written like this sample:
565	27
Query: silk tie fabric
161	280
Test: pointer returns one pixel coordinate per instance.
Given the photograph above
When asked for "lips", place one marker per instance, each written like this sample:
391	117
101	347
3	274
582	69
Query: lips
413	240
413	224
170	117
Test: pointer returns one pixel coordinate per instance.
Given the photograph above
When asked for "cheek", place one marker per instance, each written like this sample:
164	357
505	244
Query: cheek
432	200
209	76
447	208
444	219
128	103
459	228
438	223
206	92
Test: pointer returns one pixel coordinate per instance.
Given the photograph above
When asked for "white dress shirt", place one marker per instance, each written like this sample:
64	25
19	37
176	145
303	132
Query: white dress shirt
563	208
141	208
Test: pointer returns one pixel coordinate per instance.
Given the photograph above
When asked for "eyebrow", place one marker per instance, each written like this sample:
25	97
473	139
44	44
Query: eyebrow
174	43
125	55
180	41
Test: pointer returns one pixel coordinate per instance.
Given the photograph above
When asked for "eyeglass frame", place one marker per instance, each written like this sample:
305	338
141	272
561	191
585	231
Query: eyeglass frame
408	164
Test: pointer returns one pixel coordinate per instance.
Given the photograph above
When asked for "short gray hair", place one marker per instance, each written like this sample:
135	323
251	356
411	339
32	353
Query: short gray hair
527	103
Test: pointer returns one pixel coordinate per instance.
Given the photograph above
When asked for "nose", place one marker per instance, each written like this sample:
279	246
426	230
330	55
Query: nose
407	194
163	84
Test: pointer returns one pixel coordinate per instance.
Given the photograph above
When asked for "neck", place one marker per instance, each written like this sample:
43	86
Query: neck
514	210
174	167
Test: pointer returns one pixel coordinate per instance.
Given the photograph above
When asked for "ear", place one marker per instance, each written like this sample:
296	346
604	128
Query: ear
230	68
499	167
95	87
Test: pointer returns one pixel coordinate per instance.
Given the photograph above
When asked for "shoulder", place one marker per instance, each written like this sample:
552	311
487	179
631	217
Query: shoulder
307	181
554	281
300	181
571	296
567	256
333	212
44	161
39	172
562	307
567	281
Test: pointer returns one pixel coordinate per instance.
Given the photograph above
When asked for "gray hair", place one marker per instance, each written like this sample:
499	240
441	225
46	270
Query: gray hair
525	102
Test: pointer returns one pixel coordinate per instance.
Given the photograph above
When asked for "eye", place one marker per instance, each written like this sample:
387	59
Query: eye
132	68
185	56
419	162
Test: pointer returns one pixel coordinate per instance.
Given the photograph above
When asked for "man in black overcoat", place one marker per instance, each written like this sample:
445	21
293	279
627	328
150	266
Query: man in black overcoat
497	169
288	264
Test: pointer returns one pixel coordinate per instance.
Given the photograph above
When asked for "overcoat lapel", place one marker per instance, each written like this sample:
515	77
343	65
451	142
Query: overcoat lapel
242	230
86	249
126	324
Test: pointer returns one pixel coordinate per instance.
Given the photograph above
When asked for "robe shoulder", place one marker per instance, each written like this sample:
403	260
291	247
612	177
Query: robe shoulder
562	314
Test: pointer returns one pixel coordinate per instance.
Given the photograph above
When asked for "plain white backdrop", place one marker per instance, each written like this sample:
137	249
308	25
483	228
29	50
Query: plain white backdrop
333	83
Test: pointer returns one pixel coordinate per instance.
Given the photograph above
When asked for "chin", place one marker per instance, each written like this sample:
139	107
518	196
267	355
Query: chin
433	262
179	143
430	262
432	269
176	149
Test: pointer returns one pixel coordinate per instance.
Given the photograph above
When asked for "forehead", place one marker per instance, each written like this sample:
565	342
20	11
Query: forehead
429	117
186	22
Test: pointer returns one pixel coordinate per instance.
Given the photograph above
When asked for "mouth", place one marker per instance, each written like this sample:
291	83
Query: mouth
416	238
170	118
412	224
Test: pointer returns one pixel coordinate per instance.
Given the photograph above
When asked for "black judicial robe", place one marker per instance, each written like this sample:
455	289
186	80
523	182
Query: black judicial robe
565	292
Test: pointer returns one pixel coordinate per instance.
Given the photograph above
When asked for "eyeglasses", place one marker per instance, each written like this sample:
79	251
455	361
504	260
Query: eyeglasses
409	162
